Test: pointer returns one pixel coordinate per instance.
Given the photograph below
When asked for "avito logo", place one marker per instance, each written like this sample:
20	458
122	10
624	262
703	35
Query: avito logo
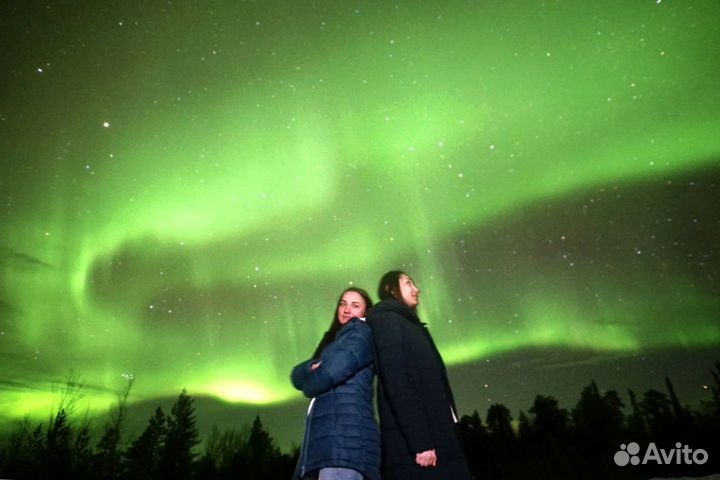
681	454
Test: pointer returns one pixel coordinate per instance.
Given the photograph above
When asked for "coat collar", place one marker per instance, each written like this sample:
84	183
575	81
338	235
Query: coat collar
352	323
396	306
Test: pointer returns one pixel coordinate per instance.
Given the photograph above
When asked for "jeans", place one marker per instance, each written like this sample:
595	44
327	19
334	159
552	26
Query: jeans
336	473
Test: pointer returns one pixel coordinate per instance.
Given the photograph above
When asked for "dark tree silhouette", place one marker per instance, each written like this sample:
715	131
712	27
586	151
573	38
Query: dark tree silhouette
142	459
502	450
260	451
499	422
82	454
222	448
683	421
547	439
16	452
181	437
106	462
712	417
635	425
657	413
716	388
598	419
475	439
524	428
597	424
550	421
549	443
58	453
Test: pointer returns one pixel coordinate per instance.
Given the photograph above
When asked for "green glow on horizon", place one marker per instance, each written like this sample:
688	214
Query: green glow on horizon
43	405
244	393
249	171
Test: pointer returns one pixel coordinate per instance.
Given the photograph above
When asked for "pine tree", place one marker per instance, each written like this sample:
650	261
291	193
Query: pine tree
181	437
657	412
597	427
683	424
637	429
261	451
37	467
18	453
106	461
82	454
678	411
142	459
598	418
58	453
613	409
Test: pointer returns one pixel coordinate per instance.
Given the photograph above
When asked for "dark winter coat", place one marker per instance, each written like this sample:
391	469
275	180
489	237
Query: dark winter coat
340	429
414	398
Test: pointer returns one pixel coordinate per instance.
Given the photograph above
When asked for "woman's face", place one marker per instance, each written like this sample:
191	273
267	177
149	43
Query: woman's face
409	293
351	305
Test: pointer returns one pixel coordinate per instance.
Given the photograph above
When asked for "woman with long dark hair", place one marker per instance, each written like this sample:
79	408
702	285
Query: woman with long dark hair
341	437
418	417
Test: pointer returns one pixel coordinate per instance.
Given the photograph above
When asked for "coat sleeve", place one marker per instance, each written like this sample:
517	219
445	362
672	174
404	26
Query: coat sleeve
399	389
349	353
300	373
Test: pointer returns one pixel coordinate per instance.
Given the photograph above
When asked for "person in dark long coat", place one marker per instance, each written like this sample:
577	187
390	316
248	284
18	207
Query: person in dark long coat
418	419
341	440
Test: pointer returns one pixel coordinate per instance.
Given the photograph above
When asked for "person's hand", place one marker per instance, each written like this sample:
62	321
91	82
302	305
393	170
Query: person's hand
426	458
314	366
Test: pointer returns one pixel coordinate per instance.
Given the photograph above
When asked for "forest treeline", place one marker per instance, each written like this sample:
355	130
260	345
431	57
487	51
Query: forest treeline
544	442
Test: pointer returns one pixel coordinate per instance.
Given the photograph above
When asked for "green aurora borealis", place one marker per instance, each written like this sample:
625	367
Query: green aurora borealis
185	187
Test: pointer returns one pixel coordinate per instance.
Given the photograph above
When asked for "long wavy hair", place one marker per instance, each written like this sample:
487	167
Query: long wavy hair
335	325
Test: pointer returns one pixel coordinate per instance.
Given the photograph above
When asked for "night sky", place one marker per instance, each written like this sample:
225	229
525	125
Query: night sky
186	187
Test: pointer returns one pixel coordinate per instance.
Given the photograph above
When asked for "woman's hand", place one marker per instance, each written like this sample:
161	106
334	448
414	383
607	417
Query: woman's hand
426	458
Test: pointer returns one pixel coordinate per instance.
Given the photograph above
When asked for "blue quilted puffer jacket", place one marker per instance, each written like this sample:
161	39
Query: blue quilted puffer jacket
340	429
